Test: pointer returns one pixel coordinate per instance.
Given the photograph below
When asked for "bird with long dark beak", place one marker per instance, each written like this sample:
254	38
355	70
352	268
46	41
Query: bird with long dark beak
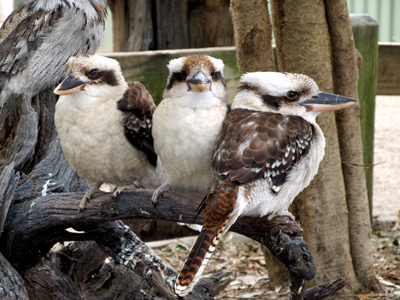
104	125
188	120
268	151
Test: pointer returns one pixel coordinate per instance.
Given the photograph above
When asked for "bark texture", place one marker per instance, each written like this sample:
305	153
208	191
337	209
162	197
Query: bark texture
151	25
303	46
11	284
253	35
345	79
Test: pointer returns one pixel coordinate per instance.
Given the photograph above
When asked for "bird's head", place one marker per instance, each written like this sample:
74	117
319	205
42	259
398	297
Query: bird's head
286	93
98	76
196	73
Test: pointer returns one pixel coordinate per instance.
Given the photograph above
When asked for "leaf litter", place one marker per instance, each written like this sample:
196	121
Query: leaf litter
243	260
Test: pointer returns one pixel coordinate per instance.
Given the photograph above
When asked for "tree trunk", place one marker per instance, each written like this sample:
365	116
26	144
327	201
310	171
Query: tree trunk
252	32
155	25
303	46
345	74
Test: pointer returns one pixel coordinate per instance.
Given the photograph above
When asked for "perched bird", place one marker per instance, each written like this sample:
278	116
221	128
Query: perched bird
104	125
268	151
188	120
36	41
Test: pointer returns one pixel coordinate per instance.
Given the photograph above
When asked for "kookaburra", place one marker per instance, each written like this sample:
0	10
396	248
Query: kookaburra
36	41
104	125
188	120
268	151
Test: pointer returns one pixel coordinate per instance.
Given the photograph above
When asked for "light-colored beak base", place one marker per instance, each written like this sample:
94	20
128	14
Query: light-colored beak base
325	102
60	92
199	83
69	85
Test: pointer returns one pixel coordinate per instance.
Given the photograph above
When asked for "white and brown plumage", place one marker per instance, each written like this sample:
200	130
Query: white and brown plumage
188	120
36	41
104	125
268	151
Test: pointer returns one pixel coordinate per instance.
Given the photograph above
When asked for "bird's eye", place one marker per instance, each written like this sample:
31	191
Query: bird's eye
93	73
184	74
291	95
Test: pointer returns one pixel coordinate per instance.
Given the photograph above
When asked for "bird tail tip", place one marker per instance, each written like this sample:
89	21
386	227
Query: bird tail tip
198	259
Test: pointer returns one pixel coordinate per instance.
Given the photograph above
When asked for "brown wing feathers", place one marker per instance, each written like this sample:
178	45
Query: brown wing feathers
138	107
260	145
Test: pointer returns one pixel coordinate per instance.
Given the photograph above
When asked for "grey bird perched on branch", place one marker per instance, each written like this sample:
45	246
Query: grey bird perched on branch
268	151
36	41
104	125
188	120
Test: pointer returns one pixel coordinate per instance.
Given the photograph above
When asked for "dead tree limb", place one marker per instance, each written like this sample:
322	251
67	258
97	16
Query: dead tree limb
44	207
9	181
11	284
36	225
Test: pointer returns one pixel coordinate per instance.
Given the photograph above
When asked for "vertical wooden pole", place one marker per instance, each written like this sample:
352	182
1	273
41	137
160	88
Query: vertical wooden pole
120	24
365	32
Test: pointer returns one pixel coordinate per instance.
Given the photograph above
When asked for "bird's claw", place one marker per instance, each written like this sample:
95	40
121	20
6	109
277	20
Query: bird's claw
119	189
82	204
281	213
158	193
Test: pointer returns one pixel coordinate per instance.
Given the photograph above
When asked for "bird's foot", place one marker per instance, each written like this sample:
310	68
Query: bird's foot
158	193
88	195
283	212
119	189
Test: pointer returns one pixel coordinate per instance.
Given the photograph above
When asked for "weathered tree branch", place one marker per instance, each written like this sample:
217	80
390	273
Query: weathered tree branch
9	181
41	222
11	284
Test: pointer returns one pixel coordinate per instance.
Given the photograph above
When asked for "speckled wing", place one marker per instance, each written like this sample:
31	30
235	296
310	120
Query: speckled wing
254	145
41	41
138	108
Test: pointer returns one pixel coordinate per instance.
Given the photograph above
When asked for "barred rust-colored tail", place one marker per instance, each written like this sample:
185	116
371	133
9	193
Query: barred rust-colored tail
218	217
198	258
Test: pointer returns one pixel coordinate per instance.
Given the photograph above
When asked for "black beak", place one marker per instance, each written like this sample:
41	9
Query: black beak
327	102
69	85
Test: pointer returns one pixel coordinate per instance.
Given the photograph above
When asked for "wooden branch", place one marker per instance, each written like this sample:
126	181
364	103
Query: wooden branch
9	181
40	216
50	215
128	250
324	290
11	284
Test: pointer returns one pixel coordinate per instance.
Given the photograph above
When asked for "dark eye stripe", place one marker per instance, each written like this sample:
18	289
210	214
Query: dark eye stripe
175	77
218	77
107	76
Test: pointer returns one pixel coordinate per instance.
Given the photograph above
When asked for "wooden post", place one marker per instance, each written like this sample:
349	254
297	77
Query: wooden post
365	32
